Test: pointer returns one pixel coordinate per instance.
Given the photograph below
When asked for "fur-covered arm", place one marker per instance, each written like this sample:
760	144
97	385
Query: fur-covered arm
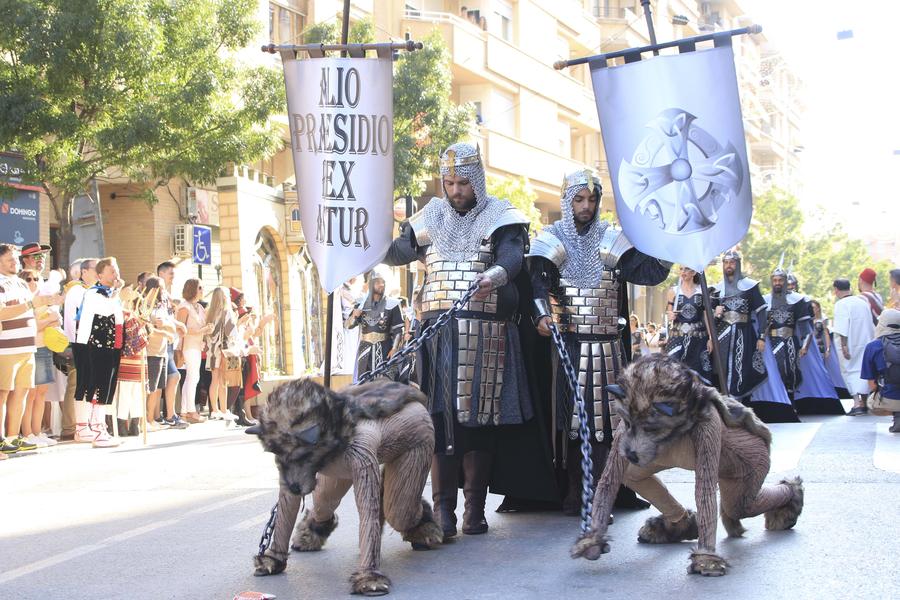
595	543
361	455
707	438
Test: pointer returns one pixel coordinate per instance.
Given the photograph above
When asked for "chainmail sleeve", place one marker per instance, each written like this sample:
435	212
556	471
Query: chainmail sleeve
543	274
510	249
404	249
642	269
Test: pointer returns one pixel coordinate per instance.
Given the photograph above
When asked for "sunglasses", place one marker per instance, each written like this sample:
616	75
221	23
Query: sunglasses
29	279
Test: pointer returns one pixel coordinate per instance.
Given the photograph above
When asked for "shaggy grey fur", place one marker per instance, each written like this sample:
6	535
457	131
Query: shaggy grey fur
427	534
311	536
326	442
785	517
657	530
669	419
268	564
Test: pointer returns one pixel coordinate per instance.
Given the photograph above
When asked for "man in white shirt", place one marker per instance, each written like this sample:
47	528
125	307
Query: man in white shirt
78	369
853	329
17	347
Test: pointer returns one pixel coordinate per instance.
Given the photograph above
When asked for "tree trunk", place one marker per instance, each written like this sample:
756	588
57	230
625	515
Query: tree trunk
66	239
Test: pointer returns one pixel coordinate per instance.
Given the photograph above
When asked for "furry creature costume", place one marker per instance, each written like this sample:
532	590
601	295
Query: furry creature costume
325	442
669	418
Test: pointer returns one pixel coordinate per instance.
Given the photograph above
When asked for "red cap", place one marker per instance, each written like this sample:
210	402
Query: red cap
235	294
35	248
868	275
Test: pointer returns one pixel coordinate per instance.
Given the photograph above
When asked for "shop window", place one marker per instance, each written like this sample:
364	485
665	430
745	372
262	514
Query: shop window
267	268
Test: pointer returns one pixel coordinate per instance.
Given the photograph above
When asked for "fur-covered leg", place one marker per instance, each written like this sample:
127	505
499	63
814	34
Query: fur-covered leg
657	530
310	535
426	534
785	516
370	583
595	542
707	563
590	546
270	563
732	526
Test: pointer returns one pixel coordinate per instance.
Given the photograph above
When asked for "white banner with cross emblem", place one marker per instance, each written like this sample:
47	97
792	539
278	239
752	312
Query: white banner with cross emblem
674	142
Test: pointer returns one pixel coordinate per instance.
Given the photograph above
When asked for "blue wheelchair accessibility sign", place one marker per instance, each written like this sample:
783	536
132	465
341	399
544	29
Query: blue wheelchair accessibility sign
202	253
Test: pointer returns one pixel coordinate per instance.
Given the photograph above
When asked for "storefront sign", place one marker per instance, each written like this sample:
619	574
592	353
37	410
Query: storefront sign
19	216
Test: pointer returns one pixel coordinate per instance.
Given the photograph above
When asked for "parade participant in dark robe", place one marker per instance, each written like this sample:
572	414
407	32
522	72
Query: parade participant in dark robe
578	267
742	345
816	393
472	371
381	323
787	317
751	374
689	337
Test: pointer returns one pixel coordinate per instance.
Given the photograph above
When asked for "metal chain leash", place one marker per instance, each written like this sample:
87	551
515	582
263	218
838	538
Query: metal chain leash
412	346
266	539
584	432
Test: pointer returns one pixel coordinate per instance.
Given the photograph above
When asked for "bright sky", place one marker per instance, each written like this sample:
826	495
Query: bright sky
851	128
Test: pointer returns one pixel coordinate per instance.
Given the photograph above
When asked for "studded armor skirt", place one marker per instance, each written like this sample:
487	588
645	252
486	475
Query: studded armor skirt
473	375
598	364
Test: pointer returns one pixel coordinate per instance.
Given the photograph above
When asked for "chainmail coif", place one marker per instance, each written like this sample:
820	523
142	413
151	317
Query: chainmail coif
458	236
583	265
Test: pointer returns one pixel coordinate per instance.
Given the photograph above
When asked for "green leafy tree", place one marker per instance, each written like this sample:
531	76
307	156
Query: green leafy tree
520	194
817	260
145	90
425	118
329	32
775	229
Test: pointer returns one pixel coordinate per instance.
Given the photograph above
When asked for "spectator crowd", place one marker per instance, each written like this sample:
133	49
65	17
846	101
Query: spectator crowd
85	357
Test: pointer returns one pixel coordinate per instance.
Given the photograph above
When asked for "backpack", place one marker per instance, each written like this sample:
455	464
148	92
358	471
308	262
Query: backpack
891	345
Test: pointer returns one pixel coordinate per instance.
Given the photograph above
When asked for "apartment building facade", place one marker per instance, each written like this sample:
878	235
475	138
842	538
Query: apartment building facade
532	121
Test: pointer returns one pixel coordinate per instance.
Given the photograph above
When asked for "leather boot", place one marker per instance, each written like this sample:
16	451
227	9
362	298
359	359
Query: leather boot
444	491
477	471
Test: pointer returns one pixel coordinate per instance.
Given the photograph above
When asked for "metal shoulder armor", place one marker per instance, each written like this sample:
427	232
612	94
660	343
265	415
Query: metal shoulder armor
613	244
548	246
510	216
420	228
745	284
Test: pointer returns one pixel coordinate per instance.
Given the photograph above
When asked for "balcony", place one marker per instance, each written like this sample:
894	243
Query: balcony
482	57
504	153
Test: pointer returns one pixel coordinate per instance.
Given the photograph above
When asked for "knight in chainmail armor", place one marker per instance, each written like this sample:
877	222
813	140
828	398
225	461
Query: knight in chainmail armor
381	325
788	315
741	343
578	268
471	371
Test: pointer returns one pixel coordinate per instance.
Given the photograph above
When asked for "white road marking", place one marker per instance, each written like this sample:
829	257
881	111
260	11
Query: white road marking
789	441
49	562
258	521
228	502
126	535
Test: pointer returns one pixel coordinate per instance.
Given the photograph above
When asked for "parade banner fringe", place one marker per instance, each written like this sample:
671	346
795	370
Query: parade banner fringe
674	140
341	120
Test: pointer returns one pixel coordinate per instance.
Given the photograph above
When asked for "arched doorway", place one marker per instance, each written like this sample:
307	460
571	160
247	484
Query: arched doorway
270	287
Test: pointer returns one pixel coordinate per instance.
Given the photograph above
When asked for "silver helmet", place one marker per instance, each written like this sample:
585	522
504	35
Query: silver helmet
458	236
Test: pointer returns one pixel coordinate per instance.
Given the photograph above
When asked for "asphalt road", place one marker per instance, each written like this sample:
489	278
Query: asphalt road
182	517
